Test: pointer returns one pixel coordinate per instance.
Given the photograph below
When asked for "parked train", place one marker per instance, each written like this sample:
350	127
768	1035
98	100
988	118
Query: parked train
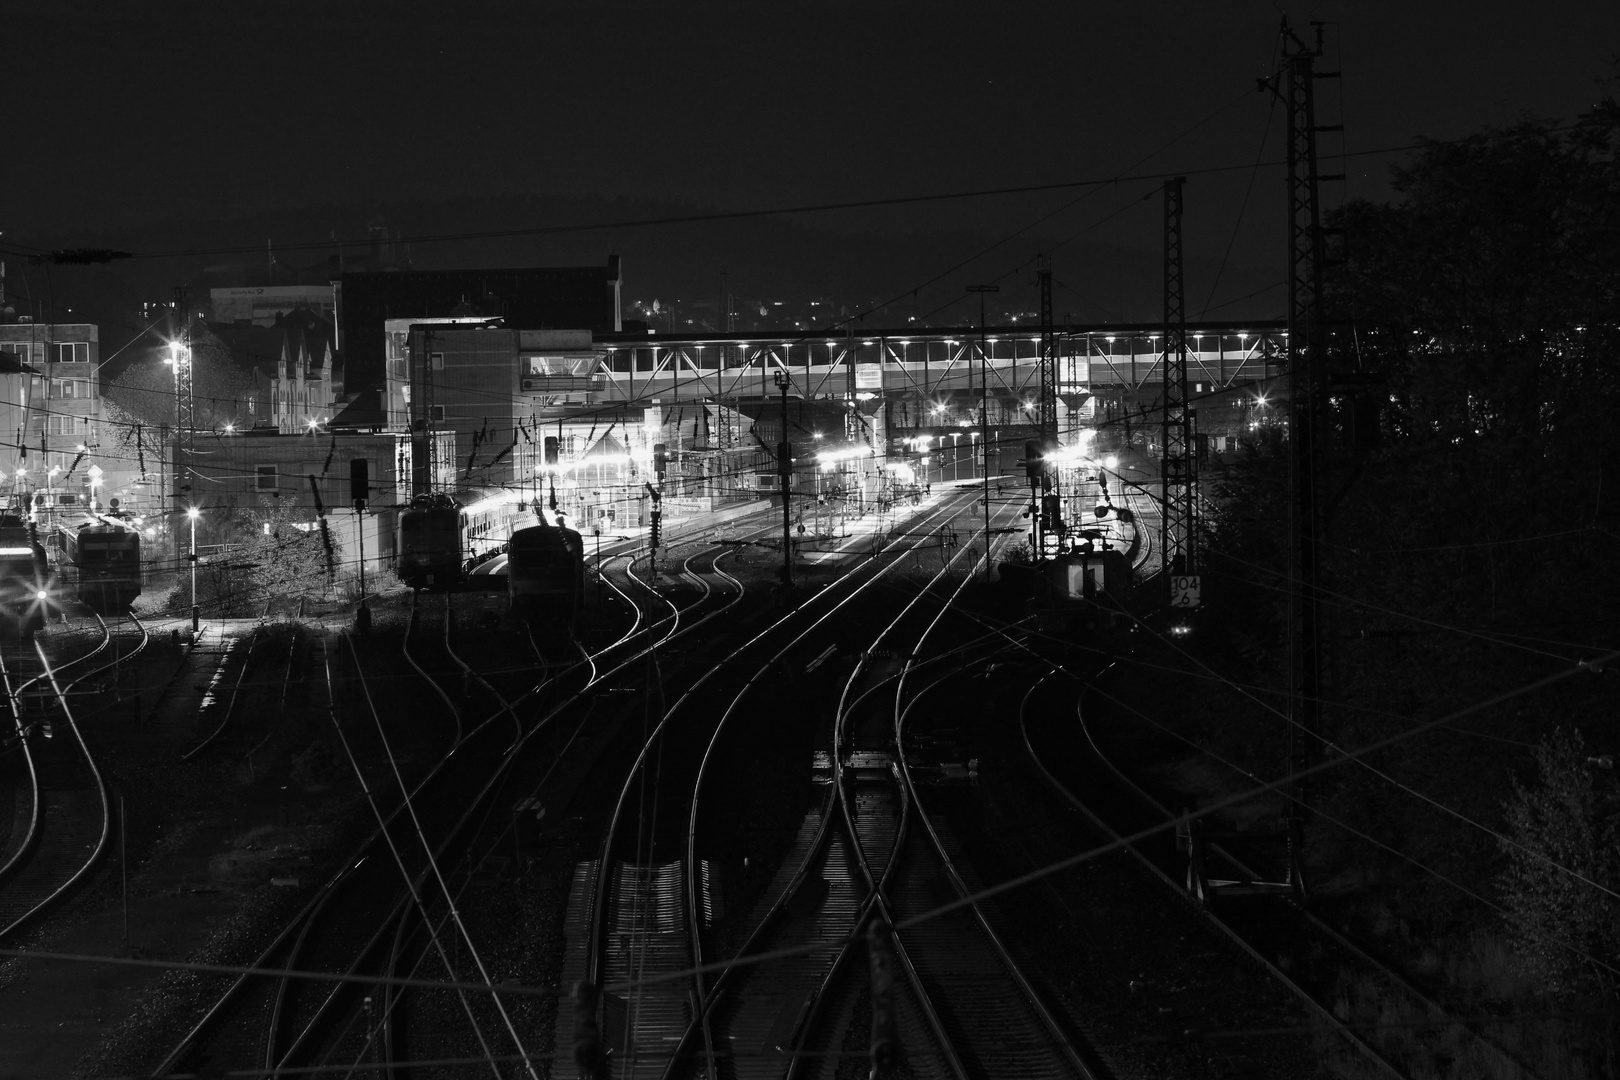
440	536
27	591
97	555
100	559
545	574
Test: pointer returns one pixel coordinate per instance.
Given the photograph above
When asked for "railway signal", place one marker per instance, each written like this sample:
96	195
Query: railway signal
359	482
885	1047
657	517
660	459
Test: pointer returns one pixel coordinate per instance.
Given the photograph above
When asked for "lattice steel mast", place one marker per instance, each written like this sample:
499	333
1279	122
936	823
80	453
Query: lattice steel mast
1178	463
1306	357
185	402
1049	356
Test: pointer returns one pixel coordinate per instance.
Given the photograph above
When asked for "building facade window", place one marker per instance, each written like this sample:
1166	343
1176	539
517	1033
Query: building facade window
25	350
264	477
71	352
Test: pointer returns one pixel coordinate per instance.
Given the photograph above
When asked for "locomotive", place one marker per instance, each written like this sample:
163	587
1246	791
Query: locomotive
26	588
103	555
440	535
545	574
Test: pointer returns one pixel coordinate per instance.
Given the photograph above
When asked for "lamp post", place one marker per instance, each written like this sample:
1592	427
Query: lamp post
196	621
984	415
784	464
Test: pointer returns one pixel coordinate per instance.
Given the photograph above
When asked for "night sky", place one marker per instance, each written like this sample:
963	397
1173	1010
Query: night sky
129	114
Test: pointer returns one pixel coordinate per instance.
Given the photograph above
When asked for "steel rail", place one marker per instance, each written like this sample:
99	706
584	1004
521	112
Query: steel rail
708	996
1371	1054
100	783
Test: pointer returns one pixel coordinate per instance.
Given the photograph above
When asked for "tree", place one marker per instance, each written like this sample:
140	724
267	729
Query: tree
1487	295
264	555
223	390
1563	853
1490	292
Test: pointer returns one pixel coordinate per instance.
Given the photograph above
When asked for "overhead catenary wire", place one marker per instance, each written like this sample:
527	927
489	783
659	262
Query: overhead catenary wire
13	247
1359	758
1015	882
405	876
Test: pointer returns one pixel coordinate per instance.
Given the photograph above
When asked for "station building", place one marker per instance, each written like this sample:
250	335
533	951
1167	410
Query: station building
52	399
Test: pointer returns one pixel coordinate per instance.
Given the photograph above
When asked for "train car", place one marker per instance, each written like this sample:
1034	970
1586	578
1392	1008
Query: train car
545	574
442	535
488	520
26	588
430	552
103	554
1084	591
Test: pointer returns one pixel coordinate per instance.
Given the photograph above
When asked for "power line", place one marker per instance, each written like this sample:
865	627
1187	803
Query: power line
808	208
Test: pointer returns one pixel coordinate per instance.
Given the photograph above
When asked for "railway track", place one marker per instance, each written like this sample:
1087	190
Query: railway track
646	902
70	820
303	1024
359	922
1309	956
963	1006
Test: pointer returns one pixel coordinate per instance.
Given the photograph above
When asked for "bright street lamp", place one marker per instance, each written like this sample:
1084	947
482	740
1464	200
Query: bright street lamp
193	513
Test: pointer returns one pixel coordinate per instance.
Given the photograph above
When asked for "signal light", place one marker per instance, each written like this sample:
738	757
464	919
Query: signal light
551	445
1034	459
660	459
359	482
1052	512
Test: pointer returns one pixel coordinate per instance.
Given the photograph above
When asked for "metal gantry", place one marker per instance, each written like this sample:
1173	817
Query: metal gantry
1178	460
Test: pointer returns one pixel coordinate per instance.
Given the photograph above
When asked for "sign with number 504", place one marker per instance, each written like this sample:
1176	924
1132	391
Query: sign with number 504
1186	590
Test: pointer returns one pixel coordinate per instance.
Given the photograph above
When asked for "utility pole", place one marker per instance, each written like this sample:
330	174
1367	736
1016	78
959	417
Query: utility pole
1307	341
984	415
784	465
1177	460
185	419
1047	419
